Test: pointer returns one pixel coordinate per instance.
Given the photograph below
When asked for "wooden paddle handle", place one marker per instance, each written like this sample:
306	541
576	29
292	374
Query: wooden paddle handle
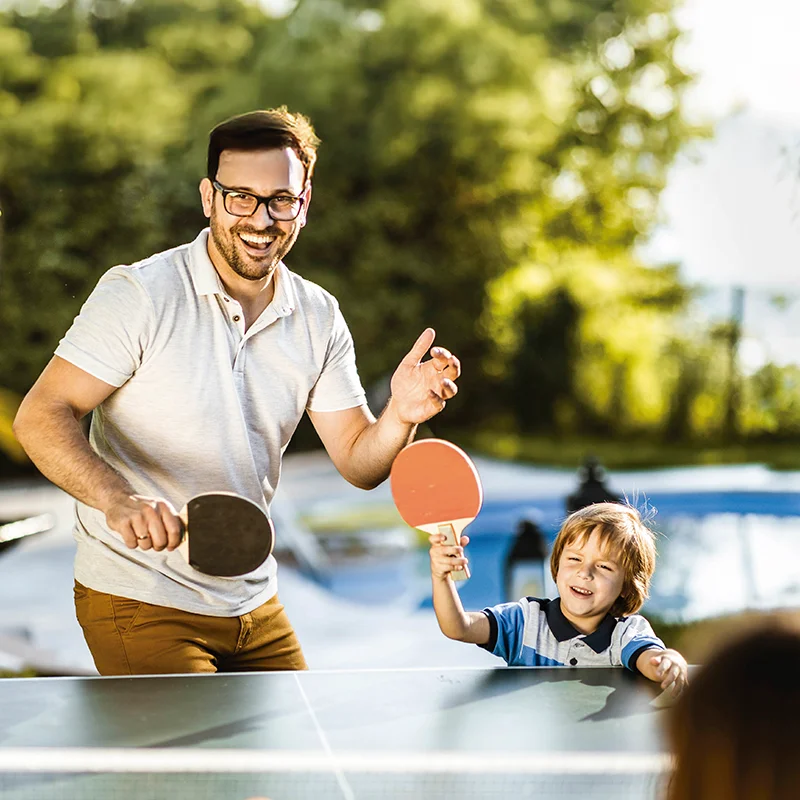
451	530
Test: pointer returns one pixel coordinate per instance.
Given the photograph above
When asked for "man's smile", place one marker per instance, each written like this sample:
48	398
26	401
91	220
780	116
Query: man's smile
258	242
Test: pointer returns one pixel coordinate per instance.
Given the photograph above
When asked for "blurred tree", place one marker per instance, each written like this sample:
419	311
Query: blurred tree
94	109
461	139
487	168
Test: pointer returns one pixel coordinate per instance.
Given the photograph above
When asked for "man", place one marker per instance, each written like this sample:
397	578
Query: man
198	364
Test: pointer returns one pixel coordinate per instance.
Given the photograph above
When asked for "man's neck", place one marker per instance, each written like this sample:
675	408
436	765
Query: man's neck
253	296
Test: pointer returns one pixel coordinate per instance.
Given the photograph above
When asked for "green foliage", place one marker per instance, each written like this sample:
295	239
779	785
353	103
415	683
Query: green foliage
486	168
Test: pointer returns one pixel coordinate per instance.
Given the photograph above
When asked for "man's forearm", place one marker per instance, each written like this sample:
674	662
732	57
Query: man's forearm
375	448
55	442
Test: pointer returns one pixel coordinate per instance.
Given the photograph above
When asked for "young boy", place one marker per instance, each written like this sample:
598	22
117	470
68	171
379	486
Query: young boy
602	562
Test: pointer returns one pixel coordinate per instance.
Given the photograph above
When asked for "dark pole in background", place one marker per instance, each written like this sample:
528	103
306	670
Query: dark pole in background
592	488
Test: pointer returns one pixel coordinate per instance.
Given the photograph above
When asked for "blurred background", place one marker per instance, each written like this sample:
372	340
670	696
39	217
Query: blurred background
594	202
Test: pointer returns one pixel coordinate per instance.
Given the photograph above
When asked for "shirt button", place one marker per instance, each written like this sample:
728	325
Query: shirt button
573	661
226	299
236	318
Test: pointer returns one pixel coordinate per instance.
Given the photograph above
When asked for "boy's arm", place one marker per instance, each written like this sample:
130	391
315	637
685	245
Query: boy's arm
455	623
667	667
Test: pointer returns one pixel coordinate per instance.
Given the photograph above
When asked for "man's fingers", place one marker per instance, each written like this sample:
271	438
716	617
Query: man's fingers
171	523
140	529
449	390
158	536
128	536
421	346
445	362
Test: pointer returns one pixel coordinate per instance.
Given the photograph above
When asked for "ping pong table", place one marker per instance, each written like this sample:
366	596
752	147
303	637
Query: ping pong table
421	733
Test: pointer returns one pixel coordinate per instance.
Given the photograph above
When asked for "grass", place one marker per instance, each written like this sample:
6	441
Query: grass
627	454
353	519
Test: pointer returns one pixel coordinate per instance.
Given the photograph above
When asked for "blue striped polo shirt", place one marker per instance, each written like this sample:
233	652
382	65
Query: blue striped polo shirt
535	633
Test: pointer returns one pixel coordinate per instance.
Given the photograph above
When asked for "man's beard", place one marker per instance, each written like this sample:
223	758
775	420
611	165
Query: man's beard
244	265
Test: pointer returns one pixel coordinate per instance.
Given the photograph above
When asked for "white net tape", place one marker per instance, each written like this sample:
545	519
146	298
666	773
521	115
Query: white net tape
202	760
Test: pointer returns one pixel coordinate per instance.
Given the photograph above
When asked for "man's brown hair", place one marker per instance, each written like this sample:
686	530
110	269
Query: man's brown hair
629	541
270	129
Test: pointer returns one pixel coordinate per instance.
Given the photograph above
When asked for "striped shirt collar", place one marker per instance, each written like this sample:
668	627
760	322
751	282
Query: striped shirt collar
562	629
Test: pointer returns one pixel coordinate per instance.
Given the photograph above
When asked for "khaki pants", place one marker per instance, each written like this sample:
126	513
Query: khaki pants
129	637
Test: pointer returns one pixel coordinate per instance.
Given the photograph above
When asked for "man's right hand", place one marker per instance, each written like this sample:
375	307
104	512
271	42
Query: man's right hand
146	522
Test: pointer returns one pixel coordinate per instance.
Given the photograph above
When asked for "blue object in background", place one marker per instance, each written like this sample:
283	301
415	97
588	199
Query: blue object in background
493	532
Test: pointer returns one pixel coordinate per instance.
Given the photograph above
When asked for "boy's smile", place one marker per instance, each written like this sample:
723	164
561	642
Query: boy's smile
589	581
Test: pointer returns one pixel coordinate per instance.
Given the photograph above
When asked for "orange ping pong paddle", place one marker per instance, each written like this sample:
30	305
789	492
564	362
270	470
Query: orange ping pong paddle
437	489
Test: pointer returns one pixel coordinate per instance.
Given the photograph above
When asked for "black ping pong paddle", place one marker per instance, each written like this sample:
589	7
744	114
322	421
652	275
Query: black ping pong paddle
225	534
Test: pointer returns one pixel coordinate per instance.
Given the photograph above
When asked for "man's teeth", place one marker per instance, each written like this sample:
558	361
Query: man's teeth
581	591
256	239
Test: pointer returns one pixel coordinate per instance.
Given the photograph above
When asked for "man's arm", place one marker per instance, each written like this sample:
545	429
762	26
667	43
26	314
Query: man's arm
363	448
48	427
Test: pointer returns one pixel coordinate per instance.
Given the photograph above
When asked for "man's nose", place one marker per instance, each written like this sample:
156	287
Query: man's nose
261	216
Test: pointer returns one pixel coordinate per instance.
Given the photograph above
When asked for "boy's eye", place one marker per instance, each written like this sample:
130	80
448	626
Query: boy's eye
605	566
573	558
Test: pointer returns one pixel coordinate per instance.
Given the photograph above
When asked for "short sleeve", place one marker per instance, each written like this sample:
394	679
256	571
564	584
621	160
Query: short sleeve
338	386
507	630
109	336
637	636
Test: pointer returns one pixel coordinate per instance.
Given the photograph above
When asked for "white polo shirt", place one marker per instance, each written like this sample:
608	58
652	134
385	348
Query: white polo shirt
201	406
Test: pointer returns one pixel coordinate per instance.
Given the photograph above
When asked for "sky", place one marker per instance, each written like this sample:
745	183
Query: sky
731	208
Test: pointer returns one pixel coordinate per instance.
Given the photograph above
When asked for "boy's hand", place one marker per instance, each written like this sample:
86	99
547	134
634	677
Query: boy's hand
672	670
446	557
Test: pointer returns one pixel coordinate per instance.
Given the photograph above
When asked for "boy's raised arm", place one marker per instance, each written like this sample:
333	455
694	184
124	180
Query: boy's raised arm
455	623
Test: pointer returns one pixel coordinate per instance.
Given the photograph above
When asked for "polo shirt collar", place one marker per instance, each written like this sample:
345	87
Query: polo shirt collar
562	629
206	279
204	276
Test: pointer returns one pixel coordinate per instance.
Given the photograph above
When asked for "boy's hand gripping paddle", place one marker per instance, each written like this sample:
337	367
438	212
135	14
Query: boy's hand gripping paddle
437	489
225	534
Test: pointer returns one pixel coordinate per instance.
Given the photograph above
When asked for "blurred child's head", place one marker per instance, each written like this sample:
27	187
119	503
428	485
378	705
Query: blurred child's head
606	545
735	732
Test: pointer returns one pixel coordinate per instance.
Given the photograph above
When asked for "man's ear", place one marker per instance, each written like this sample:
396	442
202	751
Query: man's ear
306	204
207	196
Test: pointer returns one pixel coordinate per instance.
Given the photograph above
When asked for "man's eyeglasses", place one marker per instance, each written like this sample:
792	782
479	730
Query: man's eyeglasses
280	207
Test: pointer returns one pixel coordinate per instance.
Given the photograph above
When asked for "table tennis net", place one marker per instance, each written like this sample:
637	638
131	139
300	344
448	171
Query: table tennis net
206	774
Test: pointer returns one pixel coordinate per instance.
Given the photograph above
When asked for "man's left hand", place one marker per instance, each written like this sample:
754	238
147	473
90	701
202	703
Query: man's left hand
420	388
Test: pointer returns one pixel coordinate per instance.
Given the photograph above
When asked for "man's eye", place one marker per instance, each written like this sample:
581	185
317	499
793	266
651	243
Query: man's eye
239	196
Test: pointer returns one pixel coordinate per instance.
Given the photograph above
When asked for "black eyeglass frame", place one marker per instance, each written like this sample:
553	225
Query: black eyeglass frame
225	191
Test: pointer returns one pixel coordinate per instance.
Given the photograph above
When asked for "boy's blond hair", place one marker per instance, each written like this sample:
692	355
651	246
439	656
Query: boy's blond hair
632	543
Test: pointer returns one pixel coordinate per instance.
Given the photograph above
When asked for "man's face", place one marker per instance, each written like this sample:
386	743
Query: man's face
253	246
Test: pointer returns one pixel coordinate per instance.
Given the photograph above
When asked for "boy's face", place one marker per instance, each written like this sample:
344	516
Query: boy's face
589	581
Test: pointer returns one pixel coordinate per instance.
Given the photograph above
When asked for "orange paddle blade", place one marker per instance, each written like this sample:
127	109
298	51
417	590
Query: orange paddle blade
435	482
